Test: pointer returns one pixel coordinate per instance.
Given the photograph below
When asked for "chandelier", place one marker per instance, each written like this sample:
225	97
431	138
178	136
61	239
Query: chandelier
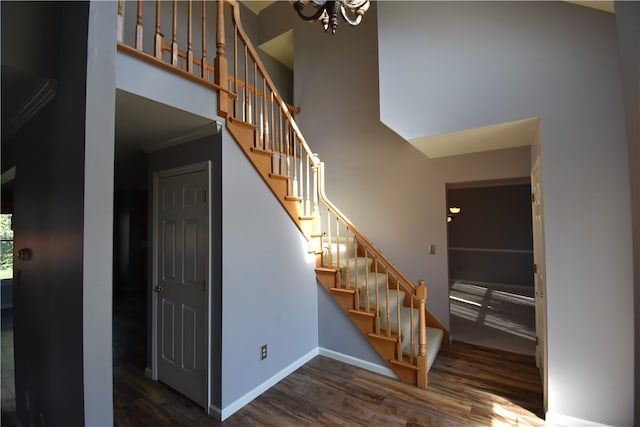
326	11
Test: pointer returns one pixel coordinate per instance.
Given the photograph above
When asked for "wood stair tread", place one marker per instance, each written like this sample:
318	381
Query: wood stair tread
403	364
262	151
278	176
241	122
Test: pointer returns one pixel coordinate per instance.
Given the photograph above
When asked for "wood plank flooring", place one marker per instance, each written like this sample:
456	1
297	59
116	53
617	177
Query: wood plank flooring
469	386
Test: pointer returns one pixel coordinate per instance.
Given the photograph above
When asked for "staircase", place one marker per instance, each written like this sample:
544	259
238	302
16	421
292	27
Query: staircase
385	306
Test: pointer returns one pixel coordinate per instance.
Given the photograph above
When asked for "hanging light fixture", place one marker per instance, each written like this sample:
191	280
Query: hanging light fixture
326	11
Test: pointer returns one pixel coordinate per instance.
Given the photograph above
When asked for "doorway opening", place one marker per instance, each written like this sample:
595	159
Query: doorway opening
150	137
490	253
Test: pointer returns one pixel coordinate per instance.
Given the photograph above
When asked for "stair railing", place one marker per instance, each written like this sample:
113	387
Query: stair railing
259	104
247	94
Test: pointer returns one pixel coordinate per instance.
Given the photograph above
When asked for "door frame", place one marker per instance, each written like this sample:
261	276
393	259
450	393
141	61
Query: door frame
181	170
539	261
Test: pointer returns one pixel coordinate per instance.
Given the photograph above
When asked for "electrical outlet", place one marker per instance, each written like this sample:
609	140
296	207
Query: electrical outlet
263	352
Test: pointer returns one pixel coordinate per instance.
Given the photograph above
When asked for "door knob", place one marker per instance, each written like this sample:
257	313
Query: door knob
159	289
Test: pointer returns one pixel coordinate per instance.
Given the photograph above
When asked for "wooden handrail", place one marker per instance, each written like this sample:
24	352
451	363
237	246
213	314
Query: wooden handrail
263	71
359	234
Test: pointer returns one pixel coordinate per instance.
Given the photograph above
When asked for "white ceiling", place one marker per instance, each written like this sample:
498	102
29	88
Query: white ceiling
151	126
517	133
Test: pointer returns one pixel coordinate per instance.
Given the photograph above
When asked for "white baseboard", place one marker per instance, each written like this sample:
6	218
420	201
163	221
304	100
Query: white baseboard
556	419
215	412
350	360
239	403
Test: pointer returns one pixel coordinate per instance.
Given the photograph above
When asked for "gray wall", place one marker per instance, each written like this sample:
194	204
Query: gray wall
627	18
62	300
340	121
491	239
269	288
483	63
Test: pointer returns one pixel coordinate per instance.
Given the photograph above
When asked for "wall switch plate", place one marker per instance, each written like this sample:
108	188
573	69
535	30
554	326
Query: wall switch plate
432	249
263	352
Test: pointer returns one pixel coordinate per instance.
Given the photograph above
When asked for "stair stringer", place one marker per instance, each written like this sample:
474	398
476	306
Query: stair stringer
245	135
386	347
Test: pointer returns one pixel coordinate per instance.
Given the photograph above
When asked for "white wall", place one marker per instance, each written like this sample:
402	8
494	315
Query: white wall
269	287
627	18
475	64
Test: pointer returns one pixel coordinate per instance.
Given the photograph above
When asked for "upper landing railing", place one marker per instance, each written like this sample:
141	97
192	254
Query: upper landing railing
178	36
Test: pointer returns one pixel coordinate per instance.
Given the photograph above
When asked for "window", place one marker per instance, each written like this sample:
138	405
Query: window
6	240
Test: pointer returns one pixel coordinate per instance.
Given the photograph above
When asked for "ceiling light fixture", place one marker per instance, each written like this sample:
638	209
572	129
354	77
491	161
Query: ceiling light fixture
455	210
326	11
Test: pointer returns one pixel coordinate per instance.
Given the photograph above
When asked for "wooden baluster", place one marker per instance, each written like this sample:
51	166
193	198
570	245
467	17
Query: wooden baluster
388	313
421	296
157	37
329	254
356	271
255	93
316	210
174	36
300	174
412	350
236	110
203	69
377	318
294	182
307	202
120	23
220	65
347	257
189	36
366	279
286	143
245	102
265	116
139	26
338	245
356	267
399	320
245	91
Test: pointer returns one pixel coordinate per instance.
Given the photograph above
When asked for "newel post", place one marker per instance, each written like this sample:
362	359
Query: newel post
421	295
315	242
220	64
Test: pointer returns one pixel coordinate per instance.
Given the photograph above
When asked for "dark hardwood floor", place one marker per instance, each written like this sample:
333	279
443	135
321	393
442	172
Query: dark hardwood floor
468	386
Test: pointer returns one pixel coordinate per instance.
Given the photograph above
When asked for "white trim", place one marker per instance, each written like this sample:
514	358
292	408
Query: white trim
568	421
364	364
208	290
215	412
247	398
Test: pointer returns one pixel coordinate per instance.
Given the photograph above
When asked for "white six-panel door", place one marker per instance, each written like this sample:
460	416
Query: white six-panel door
181	248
